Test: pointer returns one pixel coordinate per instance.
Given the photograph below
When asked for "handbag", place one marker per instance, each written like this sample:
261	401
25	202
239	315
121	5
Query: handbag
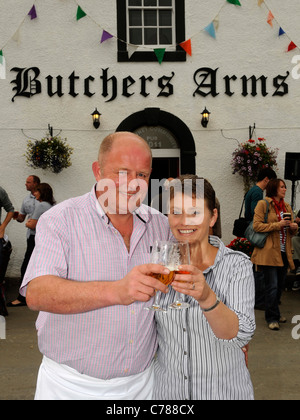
257	239
240	224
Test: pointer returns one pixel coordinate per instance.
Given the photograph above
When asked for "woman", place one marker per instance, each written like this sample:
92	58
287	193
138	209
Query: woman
276	256
45	200
200	352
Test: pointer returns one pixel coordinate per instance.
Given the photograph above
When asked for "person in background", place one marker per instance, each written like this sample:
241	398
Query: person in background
89	276
200	354
27	209
296	256
44	201
254	195
8	207
276	256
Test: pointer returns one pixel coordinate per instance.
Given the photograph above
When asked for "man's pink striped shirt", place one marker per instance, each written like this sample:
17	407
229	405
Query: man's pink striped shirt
76	241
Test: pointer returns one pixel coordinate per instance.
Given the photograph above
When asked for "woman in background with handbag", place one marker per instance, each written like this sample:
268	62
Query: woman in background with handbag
276	256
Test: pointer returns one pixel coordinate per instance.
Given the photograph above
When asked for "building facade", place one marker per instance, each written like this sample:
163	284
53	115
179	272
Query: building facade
151	67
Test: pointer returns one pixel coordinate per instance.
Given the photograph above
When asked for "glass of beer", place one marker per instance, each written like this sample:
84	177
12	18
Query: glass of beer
162	253
181	256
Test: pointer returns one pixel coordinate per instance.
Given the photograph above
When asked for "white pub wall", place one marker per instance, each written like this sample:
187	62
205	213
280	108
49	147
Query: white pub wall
57	44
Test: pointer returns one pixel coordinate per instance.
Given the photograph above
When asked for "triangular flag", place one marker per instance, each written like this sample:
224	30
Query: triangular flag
160	53
131	49
270	18
80	13
32	13
236	2
216	23
210	29
292	46
16	37
281	32
187	46
105	36
2	66
260	2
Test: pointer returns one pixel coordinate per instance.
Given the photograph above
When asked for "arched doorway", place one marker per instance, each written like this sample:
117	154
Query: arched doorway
170	139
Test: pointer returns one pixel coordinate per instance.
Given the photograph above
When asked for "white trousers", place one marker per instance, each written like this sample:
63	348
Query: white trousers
60	382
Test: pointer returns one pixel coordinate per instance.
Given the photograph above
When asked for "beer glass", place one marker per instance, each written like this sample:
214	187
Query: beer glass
181	256
162	253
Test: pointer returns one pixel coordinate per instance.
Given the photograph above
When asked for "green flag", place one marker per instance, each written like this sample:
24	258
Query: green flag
80	13
160	53
234	2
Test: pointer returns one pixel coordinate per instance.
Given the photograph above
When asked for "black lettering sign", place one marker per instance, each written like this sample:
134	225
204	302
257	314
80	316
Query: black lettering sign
87	91
201	76
144	80
58	91
254	81
278	85
167	89
26	81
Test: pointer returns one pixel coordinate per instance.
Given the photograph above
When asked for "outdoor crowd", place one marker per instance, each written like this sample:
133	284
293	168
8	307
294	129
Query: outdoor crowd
88	271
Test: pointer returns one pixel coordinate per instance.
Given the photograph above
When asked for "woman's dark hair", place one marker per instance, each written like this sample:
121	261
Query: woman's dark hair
46	193
272	187
192	185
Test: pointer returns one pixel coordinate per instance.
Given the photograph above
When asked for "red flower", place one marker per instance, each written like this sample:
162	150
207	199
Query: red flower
251	141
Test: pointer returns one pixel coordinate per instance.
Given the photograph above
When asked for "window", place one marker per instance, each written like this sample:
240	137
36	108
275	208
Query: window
150	24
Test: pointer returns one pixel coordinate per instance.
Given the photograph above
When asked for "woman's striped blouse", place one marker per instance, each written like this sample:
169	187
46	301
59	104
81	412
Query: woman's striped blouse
192	363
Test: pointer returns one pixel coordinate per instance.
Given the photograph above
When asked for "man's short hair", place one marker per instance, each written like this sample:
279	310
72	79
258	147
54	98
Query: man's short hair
266	173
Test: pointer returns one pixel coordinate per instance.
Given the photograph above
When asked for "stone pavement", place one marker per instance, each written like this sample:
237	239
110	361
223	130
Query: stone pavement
274	357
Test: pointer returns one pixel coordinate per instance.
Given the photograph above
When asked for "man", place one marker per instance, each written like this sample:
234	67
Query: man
8	207
89	275
27	209
254	195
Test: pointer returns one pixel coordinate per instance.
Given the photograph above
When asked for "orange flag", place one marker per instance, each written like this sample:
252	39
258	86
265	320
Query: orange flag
270	18
187	46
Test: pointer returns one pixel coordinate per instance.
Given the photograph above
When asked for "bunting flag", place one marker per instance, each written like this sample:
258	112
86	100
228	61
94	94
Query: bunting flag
236	2
105	36
216	23
80	13
281	32
16	37
270	18
160	53
32	13
131	49
292	46
187	46
2	66
210	29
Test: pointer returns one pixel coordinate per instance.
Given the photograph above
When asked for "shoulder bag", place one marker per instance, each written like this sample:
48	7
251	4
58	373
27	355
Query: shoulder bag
240	224
257	239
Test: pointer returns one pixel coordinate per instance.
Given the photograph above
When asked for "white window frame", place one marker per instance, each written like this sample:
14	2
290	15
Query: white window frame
142	47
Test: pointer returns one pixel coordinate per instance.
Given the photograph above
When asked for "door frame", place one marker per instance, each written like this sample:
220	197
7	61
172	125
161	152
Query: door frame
158	117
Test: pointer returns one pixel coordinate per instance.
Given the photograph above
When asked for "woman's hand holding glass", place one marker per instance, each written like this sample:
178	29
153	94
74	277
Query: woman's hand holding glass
192	283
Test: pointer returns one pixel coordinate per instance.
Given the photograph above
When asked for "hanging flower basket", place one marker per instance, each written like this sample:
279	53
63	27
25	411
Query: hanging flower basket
52	153
250	157
242	245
